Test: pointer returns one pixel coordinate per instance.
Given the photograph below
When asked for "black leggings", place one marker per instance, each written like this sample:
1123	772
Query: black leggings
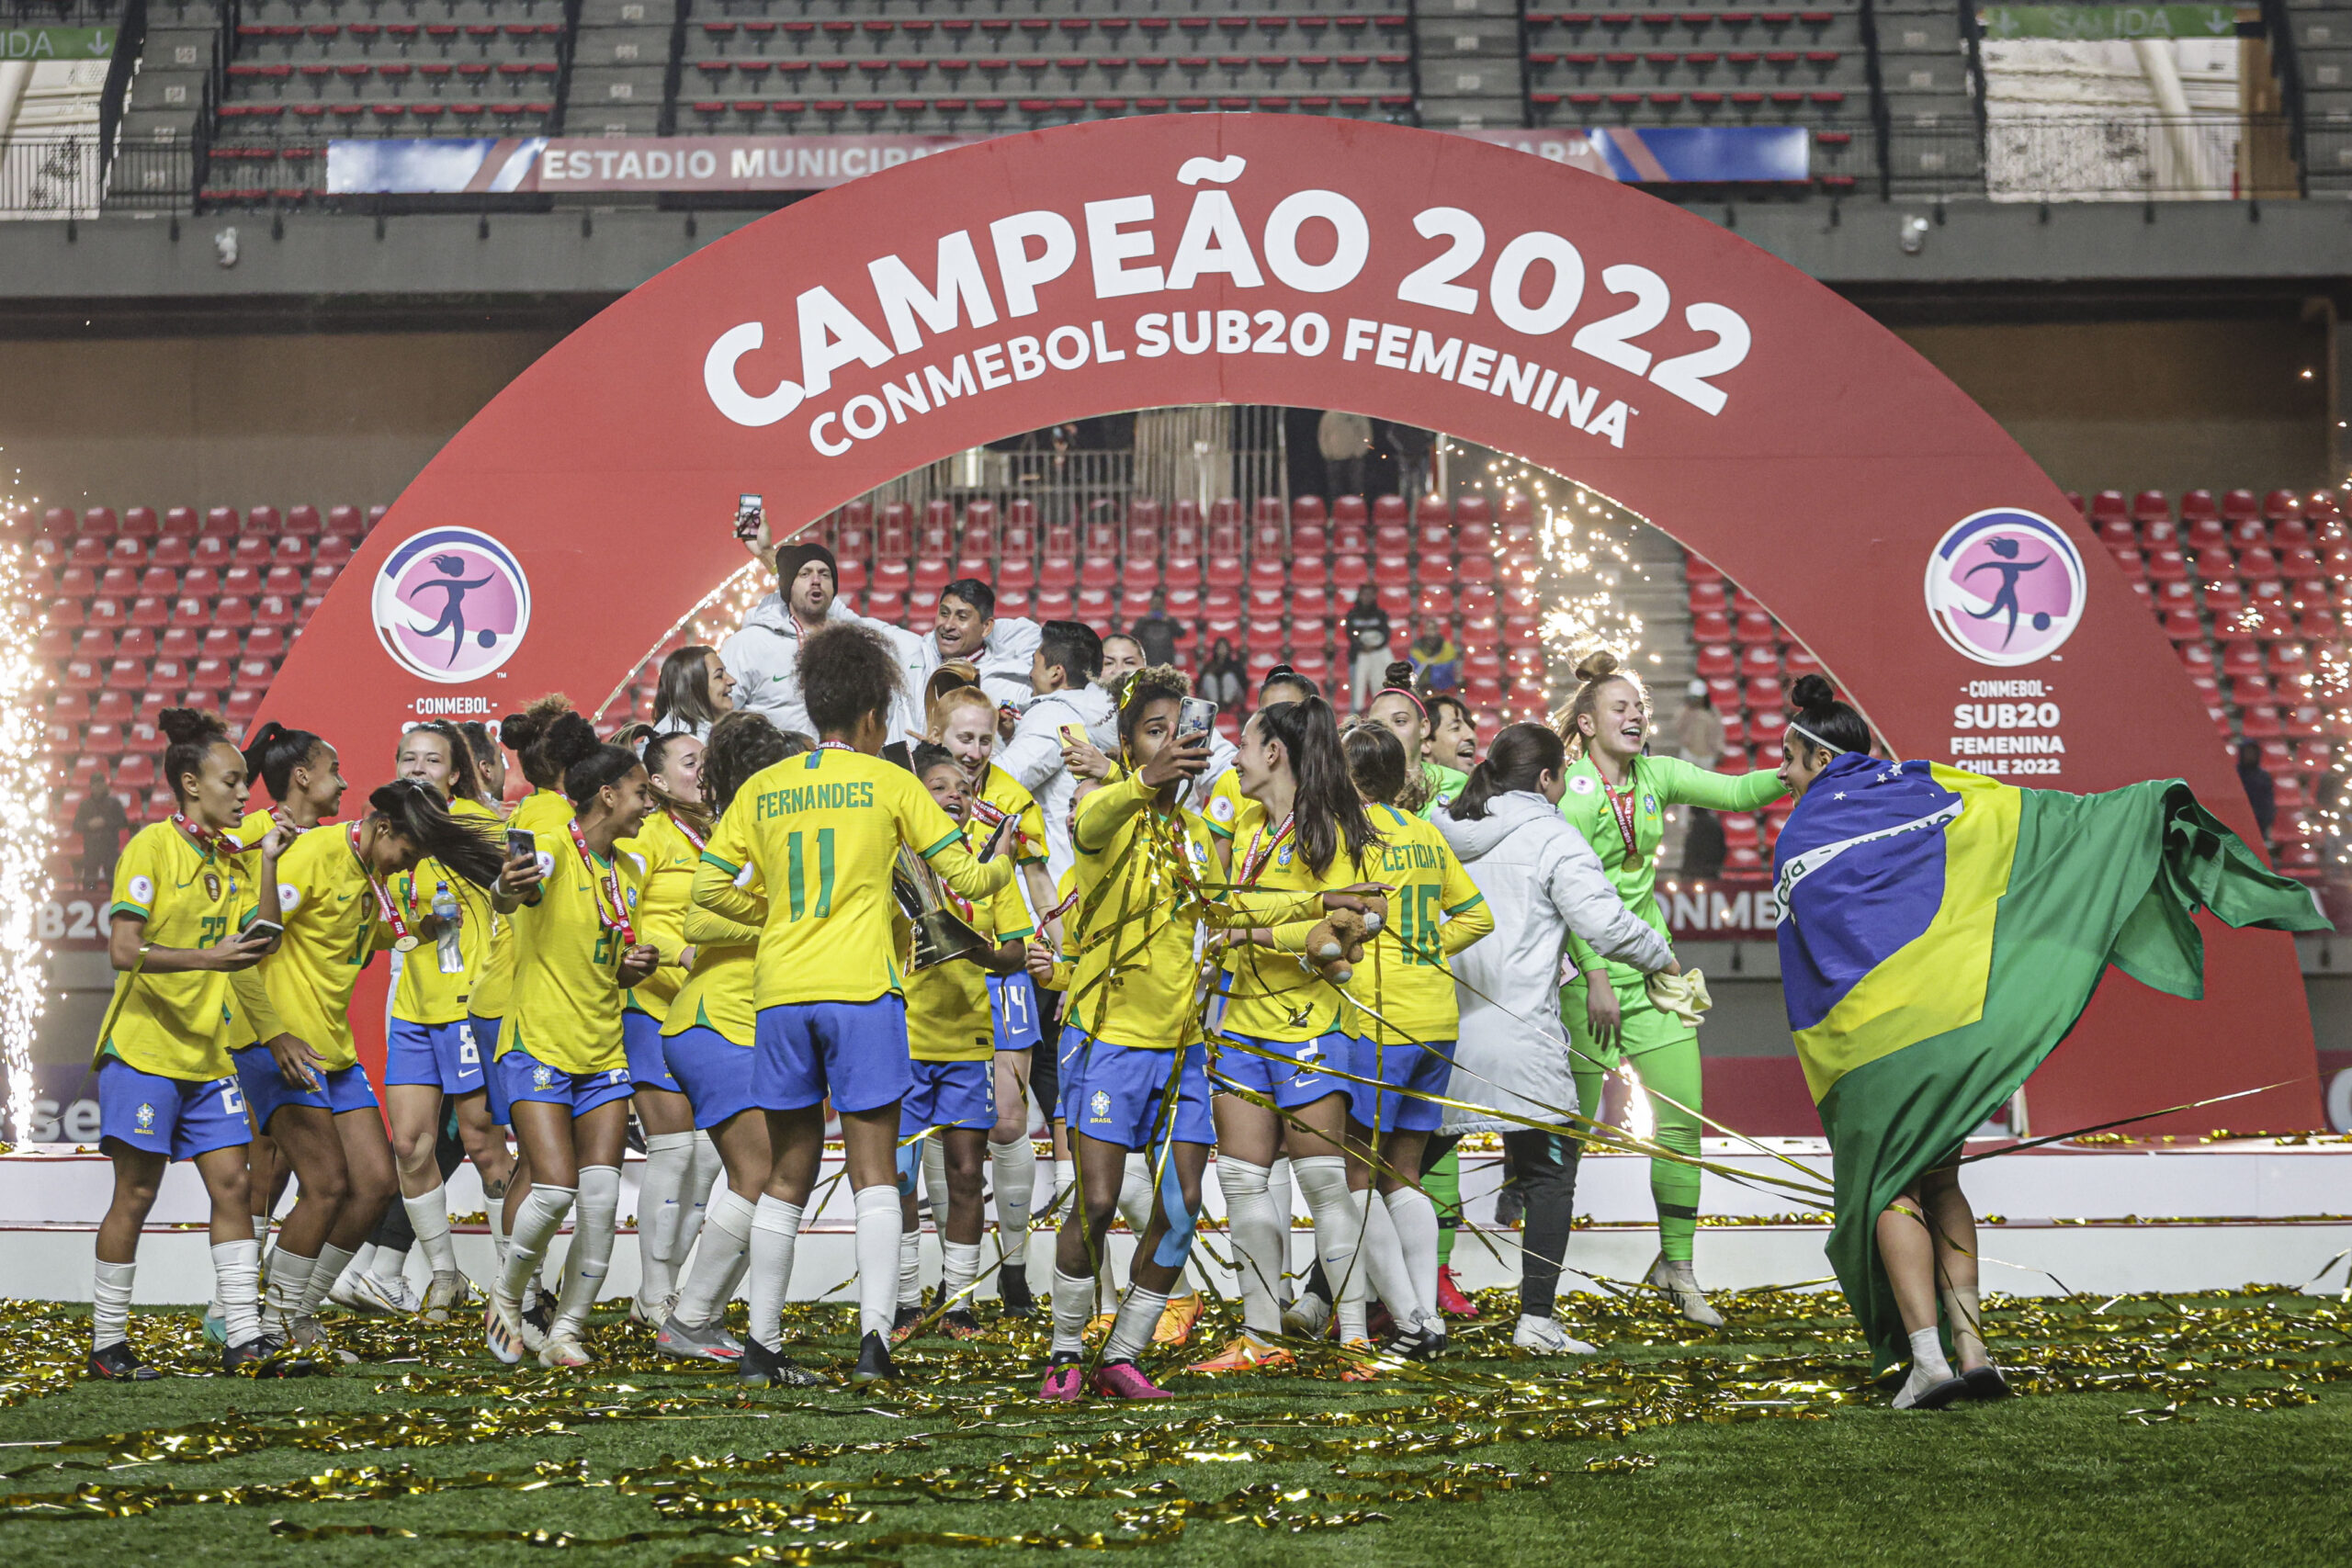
393	1230
1543	1168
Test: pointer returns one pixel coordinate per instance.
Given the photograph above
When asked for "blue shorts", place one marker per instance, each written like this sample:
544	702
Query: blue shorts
949	1094
444	1055
1013	999
530	1082
647	1067
486	1037
1117	1093
853	1054
346	1089
1297	1078
1420	1069
180	1118
711	1071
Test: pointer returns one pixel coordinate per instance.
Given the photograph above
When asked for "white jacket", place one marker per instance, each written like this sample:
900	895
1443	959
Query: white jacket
1034	756
1542	881
1005	660
764	655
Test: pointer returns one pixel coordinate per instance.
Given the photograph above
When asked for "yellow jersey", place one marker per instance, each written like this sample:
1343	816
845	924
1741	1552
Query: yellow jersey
566	1006
1434	912
717	995
1232	815
1270	994
670	858
540	811
824	830
176	1026
334	926
428	993
1002	793
245	1027
1137	918
948	1016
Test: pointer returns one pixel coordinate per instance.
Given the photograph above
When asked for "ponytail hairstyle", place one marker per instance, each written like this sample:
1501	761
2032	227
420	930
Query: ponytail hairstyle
1376	763
486	756
465	771
273	754
412	810
683	692
955	675
1597	670
1398	678
1329	813
1521	756
1139	689
524	734
944	701
588	765
633	736
930	754
190	735
1283	675
1824	723
742	743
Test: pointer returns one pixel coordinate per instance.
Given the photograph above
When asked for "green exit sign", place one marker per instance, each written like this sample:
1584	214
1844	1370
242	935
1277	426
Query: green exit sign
56	43
2098	22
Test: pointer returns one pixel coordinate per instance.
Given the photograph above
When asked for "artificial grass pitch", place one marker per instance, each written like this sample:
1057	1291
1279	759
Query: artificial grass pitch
2212	1428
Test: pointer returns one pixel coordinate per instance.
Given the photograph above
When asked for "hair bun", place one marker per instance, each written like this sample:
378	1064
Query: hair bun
1809	692
568	739
184	727
1598	665
1399	674
517	731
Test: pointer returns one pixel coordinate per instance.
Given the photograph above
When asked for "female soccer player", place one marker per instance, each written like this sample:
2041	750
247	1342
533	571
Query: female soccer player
1430	782
1616	798
1283	1022
679	1165
706	1041
304	1085
561	1055
178	930
823	835
695	692
1134	1070
951	1036
433	1053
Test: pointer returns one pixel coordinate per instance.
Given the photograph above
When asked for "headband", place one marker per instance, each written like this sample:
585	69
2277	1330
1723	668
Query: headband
1796	728
1409	695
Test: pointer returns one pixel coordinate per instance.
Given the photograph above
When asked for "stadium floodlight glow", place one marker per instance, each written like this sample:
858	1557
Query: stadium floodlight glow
25	833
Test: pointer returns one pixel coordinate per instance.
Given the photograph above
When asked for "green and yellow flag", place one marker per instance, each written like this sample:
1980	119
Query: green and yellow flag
1940	933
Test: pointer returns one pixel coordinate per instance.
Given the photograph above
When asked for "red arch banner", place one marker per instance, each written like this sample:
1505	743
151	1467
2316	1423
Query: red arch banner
1406	274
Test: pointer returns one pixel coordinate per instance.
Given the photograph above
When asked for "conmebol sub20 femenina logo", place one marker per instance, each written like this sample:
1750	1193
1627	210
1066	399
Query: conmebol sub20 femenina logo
2006	587
451	604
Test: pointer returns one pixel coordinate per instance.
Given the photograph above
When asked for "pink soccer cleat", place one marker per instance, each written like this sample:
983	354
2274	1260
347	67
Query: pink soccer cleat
1065	1382
1124	1379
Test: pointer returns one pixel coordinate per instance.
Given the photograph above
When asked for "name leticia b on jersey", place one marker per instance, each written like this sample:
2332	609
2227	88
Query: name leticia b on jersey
837	796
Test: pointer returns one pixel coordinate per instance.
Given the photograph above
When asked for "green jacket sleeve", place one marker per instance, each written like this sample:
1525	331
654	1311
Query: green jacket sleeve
1683	784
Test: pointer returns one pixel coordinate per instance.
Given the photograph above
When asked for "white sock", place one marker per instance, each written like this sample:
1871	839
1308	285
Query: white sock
693	1199
668	1158
332	1260
1258	1243
544	1209
1928	1368
1131	1331
496	1209
878	1249
1414	1217
1013	1169
236	1280
1338	1235
1073	1305
364	1260
775	1226
428	1216
110	1302
1134	1192
1384	1261
1283	1190
591	1257
712	1279
290	1281
1064	1177
910	1264
389	1268
961	1267
261	1229
934	1179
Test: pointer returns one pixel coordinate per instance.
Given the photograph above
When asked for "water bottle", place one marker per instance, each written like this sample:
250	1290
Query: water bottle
444	910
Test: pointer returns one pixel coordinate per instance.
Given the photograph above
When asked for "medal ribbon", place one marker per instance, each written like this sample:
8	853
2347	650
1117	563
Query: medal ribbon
210	839
682	826
1261	850
611	880
1621	806
385	908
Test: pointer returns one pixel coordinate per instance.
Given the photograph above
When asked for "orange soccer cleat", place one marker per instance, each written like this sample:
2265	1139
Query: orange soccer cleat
1245	1354
1177	1318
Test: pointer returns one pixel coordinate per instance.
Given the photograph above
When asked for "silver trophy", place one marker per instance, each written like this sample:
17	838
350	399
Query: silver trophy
941	935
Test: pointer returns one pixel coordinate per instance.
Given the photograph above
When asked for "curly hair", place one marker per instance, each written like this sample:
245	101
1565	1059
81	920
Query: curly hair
190	735
742	743
524	733
847	674
1139	689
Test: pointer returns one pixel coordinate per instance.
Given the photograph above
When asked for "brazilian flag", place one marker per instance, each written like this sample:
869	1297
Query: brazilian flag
1940	933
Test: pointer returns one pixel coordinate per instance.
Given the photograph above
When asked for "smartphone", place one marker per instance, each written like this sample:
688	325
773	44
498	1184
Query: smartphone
520	843
749	515
1072	735
1196	716
262	930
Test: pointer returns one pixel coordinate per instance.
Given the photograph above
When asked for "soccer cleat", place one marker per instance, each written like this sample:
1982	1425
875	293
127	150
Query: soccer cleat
1064	1381
760	1367
444	1298
903	1327
346	1292
1124	1379
1245	1354
1098	1326
962	1324
505	1331
119	1362
651	1313
1361	1366
1450	1299
1545	1336
1177	1318
1307	1318
267	1358
873	1363
563	1350
711	1342
310	1336
1680	1282
1012	1287
1986	1383
540	1314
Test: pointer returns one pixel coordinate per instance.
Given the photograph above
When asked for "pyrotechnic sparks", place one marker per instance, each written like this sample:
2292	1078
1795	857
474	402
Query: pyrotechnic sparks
720	612
25	832
1584	562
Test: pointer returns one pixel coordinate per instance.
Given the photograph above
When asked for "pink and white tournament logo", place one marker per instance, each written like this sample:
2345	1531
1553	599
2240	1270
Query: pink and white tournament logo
2006	587
451	604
